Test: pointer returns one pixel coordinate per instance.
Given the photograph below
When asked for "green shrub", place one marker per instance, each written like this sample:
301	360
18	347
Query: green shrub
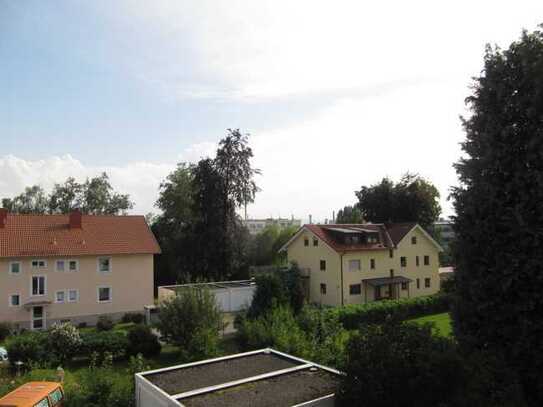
133	317
352	316
63	341
270	293
191	321
27	348
5	330
395	364
113	342
277	329
105	323
142	341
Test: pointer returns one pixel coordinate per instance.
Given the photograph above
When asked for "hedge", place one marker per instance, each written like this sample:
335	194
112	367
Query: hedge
114	342
351	316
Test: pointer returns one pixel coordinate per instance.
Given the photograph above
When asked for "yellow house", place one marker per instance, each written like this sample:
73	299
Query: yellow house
73	267
360	263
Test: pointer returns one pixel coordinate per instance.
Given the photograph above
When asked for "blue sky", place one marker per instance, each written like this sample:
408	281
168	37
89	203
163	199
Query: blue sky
335	94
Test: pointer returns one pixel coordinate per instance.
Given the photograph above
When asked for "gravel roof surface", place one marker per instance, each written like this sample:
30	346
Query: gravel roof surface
280	391
211	374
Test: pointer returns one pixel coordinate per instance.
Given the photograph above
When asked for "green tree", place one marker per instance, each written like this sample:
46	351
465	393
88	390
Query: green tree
191	321
499	222
32	201
98	198
349	214
66	197
398	364
412	199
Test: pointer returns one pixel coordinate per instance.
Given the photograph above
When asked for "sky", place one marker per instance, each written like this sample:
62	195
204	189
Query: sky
334	94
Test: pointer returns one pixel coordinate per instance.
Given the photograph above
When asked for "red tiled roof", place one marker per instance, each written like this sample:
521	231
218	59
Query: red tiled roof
389	235
51	235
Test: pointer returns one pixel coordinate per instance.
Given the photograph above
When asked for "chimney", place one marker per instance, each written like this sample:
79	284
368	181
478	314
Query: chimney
3	217
310	220
76	219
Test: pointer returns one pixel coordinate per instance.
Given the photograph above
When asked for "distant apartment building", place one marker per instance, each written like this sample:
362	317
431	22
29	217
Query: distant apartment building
360	263
444	229
256	226
73	267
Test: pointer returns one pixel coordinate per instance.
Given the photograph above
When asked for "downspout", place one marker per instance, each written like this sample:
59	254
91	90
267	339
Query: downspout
341	268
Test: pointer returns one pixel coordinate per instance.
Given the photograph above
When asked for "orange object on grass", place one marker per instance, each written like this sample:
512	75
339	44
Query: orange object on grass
35	394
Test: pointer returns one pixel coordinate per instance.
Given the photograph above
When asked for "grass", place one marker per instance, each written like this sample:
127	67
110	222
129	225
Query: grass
442	323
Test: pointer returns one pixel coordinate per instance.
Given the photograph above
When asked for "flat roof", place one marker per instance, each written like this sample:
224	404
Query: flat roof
263	378
219	285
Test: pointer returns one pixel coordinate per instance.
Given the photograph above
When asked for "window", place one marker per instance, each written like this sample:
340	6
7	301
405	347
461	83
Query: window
323	265
372	239
404	286
354	265
73	265
372	264
323	289
56	396
355	239
403	261
306	242
61	265
38	285
391	253
59	297
73	295
104	294
315	242
426	260
15	267
355	289
14	300
43	403
418	282
417	260
104	264
427	282
414	240
39	264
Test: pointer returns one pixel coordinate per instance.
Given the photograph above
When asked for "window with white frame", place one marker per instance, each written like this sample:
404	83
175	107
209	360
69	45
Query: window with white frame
73	295
73	265
38	285
354	265
61	265
38	264
104	264
14	300
104	294
15	267
60	296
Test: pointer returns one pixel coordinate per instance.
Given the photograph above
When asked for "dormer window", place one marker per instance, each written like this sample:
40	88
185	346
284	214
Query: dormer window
355	239
347	240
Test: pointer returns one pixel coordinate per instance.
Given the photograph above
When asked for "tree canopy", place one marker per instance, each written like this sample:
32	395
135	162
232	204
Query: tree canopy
95	196
412	199
499	222
349	214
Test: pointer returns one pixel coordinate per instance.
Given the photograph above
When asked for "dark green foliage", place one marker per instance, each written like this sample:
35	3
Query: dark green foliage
112	342
28	347
142	340
396	365
5	330
349	214
499	222
105	323
264	247
134	317
191	321
413	199
95	196
352	316
199	231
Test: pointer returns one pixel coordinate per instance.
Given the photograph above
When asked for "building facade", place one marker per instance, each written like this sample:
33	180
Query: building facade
256	226
73	267
355	264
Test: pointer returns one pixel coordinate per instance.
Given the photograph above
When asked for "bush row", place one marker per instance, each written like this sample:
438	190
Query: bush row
351	316
41	347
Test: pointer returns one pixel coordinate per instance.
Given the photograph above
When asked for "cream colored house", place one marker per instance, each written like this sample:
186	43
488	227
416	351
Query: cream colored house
359	263
73	267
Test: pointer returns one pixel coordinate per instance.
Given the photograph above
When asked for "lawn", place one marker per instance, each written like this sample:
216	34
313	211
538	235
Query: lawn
442	323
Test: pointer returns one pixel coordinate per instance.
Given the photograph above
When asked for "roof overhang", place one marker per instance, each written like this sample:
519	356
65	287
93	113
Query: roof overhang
376	282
